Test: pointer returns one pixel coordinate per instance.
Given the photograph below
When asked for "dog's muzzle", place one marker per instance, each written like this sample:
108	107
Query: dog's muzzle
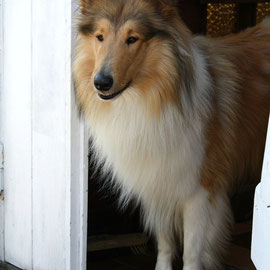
113	95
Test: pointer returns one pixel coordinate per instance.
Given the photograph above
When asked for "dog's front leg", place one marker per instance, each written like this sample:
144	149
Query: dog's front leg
166	251
206	229
195	220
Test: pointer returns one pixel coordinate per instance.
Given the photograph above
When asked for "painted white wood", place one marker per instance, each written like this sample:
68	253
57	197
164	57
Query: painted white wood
79	194
265	181
46	146
2	254
59	164
16	131
79	170
260	251
51	50
1	170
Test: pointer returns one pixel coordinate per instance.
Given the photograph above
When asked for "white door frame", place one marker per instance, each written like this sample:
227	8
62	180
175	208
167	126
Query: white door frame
1	173
43	218
260	251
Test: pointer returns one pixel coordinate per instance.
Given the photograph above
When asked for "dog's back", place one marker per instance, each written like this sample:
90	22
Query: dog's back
239	65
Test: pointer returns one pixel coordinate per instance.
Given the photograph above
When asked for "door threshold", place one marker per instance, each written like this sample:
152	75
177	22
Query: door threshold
7	266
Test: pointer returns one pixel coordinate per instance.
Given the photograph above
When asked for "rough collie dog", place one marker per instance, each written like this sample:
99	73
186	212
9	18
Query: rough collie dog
179	119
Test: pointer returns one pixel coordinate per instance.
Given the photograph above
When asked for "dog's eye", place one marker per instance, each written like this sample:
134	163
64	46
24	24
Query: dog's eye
131	40
100	38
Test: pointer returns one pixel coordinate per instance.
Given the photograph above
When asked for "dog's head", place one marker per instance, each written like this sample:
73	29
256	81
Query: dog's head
127	44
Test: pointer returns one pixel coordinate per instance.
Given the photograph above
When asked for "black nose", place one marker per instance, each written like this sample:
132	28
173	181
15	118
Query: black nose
103	81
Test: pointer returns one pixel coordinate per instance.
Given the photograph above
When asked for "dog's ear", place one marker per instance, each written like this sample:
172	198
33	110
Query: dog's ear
168	8
171	3
85	5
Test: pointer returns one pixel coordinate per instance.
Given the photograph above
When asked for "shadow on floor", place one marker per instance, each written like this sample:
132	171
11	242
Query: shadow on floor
123	259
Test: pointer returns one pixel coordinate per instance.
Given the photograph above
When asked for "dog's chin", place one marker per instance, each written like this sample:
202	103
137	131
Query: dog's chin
115	94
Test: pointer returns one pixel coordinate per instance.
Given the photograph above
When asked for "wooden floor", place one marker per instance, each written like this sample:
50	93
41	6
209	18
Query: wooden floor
127	259
237	259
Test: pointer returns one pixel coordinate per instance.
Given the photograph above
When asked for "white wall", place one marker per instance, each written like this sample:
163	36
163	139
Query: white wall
45	206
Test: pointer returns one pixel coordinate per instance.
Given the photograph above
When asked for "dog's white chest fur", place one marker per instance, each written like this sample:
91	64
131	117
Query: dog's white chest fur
156	161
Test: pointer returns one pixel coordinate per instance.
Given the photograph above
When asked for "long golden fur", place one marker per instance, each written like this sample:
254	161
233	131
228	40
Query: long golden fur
183	122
